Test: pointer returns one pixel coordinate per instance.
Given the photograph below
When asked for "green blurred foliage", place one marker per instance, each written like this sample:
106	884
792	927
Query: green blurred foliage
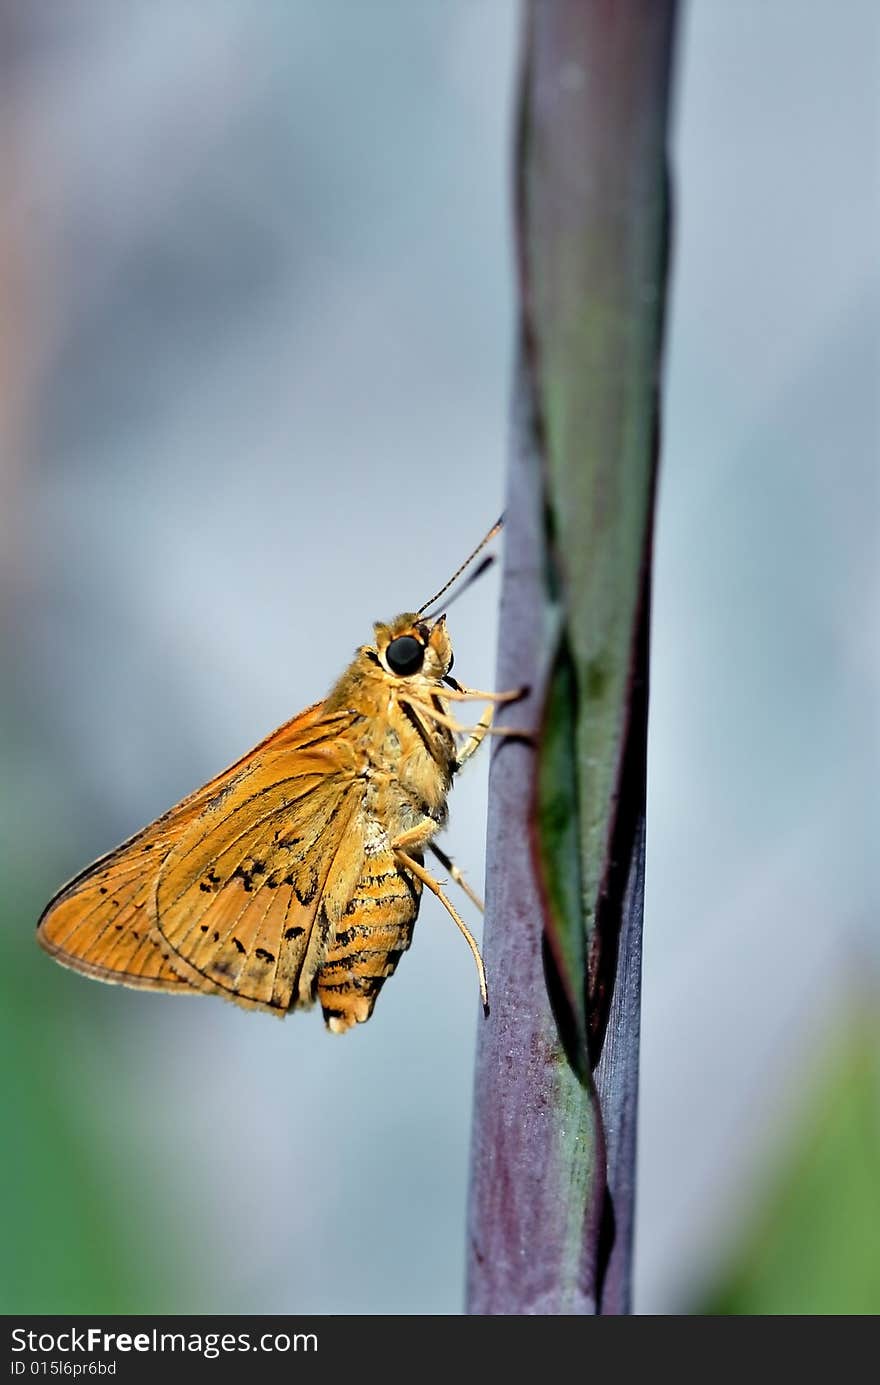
68	1238
814	1247
79	1211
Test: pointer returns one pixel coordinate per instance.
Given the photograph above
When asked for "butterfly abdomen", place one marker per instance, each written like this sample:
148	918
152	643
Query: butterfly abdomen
374	930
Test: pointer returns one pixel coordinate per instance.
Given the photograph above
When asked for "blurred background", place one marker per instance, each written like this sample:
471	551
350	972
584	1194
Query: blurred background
257	320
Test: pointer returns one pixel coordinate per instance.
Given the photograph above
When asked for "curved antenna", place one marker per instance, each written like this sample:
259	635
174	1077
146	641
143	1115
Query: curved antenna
473	576
496	528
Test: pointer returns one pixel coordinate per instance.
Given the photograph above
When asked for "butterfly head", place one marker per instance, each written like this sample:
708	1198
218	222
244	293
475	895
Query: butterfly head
409	645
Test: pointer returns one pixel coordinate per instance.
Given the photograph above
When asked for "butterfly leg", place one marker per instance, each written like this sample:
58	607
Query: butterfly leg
483	726
418	870
448	864
478	735
459	693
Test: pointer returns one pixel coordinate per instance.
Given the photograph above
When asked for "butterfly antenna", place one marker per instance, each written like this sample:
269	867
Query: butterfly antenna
496	529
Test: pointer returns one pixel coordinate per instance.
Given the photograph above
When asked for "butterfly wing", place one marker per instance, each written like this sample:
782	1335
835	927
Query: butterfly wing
100	922
240	905
297	783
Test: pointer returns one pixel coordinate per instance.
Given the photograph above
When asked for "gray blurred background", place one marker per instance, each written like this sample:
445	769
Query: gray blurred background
258	320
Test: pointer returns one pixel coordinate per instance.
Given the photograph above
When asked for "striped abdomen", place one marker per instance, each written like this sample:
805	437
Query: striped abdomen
375	929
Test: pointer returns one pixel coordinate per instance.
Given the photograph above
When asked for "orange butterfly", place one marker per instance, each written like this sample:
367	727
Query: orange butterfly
296	874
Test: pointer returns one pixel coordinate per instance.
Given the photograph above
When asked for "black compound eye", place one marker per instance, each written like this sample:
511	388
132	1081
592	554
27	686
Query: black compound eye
405	655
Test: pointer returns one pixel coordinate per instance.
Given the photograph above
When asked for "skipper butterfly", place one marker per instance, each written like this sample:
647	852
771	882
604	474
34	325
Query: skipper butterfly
296	874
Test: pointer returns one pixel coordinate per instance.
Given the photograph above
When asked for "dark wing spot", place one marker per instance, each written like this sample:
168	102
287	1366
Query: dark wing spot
239	944
305	891
216	936
203	926
294	932
223	793
264	955
287	843
205	888
102	889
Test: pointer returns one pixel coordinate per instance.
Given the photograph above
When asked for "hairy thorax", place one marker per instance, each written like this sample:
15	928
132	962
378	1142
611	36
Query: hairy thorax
407	760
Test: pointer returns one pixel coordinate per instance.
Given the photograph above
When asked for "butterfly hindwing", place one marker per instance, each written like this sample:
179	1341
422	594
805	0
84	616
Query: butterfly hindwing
101	923
240	905
104	922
